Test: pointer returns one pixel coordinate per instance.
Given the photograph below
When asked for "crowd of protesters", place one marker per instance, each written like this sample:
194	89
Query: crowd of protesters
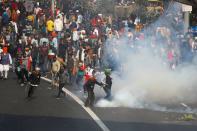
70	42
124	2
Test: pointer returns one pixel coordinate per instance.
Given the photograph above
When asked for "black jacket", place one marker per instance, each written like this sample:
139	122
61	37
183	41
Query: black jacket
89	85
62	77
34	78
108	81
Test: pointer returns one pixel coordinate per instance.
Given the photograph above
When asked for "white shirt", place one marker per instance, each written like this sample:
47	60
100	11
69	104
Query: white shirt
55	44
96	32
34	42
42	40
75	36
36	10
58	24
79	19
15	26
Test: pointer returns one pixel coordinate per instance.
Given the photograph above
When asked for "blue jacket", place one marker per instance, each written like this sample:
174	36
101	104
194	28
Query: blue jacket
5	18
5	59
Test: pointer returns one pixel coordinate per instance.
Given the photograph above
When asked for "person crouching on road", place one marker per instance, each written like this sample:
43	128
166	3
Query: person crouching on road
89	86
5	61
34	81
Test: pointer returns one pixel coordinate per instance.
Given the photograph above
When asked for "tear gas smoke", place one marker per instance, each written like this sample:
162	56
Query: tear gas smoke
145	81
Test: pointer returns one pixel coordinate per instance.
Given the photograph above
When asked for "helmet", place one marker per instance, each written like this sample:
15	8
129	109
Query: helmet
107	71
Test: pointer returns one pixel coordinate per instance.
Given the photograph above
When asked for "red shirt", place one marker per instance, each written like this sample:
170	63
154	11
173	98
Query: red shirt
170	56
14	5
93	22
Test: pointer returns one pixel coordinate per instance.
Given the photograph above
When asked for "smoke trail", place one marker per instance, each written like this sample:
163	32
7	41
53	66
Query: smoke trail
146	82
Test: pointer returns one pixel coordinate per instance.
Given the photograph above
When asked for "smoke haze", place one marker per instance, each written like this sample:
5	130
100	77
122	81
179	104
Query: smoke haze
145	81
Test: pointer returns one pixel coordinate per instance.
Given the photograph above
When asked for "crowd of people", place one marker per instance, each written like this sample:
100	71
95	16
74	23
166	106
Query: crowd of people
124	2
70	43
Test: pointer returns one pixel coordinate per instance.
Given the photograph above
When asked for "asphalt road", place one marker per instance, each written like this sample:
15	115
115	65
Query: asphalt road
42	113
45	113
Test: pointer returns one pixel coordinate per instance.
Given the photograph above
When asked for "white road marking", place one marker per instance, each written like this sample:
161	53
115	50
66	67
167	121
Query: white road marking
186	106
87	109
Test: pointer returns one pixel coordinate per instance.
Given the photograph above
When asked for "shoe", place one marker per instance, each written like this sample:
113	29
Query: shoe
109	98
44	76
29	98
86	105
22	84
57	97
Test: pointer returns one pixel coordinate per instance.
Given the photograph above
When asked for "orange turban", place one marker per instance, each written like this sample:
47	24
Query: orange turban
5	49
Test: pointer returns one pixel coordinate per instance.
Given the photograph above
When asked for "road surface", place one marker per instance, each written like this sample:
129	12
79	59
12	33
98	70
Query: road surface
46	113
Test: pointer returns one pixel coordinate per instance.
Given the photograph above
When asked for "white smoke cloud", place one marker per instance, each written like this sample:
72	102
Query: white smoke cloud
148	83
